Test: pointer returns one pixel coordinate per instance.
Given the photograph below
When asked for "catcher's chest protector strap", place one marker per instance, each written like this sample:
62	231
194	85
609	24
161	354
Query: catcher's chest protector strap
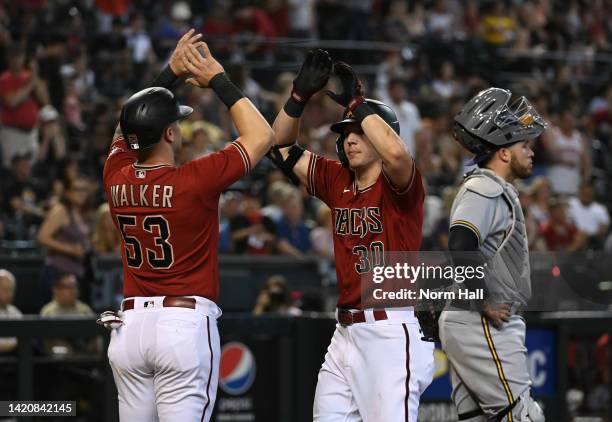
286	165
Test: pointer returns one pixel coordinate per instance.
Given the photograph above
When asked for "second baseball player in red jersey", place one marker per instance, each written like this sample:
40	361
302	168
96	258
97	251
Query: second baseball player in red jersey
377	365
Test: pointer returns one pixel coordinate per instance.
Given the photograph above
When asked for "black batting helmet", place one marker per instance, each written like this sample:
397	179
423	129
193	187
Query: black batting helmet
146	114
380	108
487	123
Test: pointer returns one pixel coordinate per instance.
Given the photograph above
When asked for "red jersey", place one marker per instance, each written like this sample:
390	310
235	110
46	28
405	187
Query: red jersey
169	220
367	222
25	114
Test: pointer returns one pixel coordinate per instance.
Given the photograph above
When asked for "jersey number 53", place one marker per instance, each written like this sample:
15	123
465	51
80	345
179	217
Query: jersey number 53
162	257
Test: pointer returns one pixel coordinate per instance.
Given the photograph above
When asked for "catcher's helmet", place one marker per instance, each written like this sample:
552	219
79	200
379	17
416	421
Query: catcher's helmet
380	108
486	123
146	114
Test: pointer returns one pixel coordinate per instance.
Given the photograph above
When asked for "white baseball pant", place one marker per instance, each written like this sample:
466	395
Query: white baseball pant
165	361
374	371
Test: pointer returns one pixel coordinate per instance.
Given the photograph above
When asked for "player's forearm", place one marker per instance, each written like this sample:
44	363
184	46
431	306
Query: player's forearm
256	135
286	128
387	144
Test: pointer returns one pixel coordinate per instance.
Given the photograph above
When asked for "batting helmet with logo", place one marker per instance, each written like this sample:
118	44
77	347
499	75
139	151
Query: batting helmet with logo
487	123
146	114
380	108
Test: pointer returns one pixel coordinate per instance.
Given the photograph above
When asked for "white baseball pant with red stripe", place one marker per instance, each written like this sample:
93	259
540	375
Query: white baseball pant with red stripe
165	361
374	371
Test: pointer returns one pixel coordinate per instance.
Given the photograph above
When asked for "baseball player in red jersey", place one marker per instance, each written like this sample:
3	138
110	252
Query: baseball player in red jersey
376	366
164	351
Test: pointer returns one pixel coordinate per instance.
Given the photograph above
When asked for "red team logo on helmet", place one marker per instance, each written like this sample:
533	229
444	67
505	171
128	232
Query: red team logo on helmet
237	372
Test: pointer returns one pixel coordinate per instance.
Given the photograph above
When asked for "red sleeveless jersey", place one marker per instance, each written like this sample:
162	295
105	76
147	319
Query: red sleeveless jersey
367	222
169	220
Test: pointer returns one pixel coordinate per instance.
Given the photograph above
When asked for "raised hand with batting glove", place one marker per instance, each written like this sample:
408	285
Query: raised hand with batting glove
312	77
352	88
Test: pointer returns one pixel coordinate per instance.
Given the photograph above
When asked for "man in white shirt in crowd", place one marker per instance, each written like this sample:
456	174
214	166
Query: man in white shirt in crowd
589	216
407	113
7	310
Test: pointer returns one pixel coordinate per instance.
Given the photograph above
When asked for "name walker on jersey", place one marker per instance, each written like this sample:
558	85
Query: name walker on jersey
155	196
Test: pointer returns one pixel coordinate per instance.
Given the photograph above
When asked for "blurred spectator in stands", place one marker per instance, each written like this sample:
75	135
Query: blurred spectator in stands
471	21
407	113
445	84
205	138
141	48
52	143
568	154
229	207
540	199
292	231
589	216
440	23
65	234
558	232
531	225
438	238
321	236
302	17
73	117
254	25
22	93
396	24
252	233
65	303
105	238
276	194
499	25
24	197
173	25
83	79
7	309
275	298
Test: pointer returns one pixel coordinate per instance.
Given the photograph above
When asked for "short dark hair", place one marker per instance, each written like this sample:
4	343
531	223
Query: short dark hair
60	277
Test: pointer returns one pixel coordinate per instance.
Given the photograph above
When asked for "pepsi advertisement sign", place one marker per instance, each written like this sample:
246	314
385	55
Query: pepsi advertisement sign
244	394
237	369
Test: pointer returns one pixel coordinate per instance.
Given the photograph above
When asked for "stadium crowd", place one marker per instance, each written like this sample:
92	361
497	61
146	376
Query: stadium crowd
65	68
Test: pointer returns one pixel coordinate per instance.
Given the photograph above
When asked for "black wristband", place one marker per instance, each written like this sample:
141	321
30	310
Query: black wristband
225	89
362	111
166	78
294	108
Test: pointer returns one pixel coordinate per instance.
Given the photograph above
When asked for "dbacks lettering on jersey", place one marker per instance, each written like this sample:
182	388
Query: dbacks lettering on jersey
358	221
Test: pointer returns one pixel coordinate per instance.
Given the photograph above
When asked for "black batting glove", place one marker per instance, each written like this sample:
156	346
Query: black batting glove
313	76
352	89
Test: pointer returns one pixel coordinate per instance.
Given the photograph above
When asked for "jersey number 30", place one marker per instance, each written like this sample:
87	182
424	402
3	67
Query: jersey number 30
374	257
162	256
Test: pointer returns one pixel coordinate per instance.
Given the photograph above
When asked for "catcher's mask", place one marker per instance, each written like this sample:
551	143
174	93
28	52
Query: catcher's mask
380	108
487	123
146	114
